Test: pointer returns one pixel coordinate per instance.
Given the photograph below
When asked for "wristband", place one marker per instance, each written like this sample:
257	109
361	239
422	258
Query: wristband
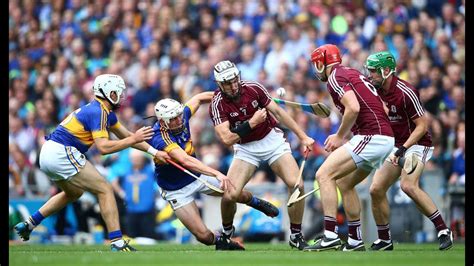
242	130
152	151
401	151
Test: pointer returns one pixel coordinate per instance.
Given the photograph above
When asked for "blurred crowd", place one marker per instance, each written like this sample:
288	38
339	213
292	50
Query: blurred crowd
168	48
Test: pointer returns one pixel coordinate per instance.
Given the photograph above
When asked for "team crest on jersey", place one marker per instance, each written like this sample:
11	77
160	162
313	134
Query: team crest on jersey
254	103
393	109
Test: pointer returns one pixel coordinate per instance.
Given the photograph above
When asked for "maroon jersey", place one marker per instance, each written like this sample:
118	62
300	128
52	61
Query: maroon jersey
404	106
372	119
253	96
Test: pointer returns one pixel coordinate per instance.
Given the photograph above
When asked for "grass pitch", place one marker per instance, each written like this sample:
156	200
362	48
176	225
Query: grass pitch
255	254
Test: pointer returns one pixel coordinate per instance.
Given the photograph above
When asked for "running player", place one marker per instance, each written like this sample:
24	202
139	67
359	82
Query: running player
239	113
173	135
412	141
62	157
372	141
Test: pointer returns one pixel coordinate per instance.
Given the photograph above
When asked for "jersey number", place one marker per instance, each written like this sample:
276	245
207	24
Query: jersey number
368	85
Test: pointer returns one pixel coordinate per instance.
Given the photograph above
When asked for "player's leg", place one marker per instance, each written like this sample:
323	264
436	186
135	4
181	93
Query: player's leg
245	197
383	178
410	184
89	179
287	168
189	216
59	163
239	172
338	164
68	194
352	207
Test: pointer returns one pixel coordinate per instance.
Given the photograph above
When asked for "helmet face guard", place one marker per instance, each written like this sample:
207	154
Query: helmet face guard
167	110
323	57
378	62
107	85
227	77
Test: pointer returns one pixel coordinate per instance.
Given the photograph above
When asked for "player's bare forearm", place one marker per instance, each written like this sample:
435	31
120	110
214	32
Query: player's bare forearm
348	120
201	98
420	130
122	132
284	118
194	164
107	146
351	111
225	135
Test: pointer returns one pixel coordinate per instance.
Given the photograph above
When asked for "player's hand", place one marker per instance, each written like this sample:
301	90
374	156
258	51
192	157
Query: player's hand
226	183
307	142
397	155
258	117
333	142
142	134
161	157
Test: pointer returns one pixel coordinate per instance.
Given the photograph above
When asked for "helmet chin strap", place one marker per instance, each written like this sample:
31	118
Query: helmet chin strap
114	106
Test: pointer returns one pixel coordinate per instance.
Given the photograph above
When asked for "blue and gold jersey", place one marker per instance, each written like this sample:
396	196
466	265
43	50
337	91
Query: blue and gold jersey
168	176
85	124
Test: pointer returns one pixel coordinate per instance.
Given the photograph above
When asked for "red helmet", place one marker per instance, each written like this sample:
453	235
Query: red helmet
324	56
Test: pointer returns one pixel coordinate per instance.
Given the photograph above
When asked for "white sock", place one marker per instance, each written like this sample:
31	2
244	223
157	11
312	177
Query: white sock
353	242
330	234
31	225
119	243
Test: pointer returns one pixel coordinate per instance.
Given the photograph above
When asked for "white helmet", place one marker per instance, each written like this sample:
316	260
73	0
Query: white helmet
225	71
167	109
105	84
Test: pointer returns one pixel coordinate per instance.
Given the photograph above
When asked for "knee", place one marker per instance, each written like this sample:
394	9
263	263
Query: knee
205	237
376	191
409	188
322	176
231	196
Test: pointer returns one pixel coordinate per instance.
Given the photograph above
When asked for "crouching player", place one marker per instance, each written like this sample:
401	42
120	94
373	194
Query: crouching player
412	141
172	134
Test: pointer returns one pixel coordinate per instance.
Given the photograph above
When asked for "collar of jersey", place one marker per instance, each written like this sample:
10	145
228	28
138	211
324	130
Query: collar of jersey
103	105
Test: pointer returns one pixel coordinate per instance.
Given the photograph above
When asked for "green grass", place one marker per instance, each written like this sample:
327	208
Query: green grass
255	254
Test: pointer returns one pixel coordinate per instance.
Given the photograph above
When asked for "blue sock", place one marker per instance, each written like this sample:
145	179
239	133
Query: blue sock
115	235
253	202
36	218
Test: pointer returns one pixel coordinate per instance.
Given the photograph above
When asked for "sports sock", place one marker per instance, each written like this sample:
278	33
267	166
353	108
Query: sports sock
228	228
116	238
34	220
354	230
295	228
438	221
253	202
384	232
330	226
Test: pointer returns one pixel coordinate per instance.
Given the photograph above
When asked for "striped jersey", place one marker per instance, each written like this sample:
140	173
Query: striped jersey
372	119
253	96
404	106
168	176
85	124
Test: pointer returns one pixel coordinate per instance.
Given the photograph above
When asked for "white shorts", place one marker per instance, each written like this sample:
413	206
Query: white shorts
185	195
60	162
424	153
369	151
268	149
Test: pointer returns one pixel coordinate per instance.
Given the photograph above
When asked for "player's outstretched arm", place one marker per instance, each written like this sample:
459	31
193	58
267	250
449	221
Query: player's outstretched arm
201	98
288	121
193	164
106	146
122	132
